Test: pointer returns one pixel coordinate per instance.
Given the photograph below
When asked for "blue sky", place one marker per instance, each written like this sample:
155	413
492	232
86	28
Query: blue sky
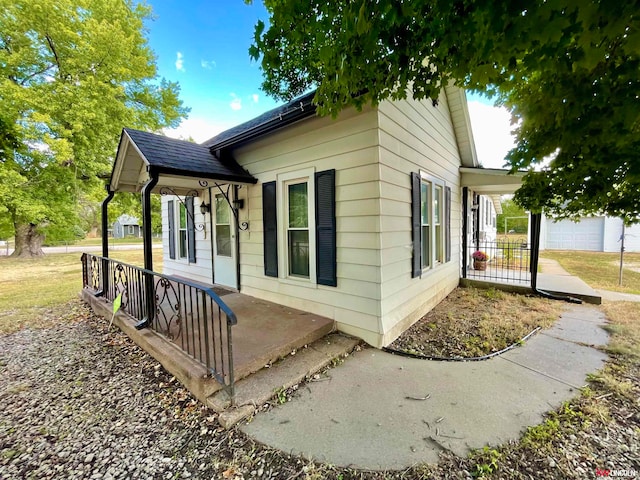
203	45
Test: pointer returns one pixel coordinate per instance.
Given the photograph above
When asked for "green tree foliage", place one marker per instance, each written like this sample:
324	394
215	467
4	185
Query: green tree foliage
72	74
512	213
567	69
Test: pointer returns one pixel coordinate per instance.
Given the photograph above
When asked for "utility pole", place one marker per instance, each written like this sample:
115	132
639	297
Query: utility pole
621	254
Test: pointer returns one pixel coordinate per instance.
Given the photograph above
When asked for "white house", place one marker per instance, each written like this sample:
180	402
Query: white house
359	219
598	234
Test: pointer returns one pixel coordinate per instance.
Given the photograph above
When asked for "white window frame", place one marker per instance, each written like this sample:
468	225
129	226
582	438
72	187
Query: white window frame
434	261
283	181
131	231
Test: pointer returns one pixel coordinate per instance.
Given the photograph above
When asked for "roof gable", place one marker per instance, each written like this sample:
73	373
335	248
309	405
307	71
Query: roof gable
167	155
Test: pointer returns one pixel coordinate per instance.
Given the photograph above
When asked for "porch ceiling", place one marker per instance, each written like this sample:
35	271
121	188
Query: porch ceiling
179	164
490	181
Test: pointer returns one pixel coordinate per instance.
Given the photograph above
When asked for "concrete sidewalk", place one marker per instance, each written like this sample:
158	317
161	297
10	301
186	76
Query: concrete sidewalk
556	280
371	415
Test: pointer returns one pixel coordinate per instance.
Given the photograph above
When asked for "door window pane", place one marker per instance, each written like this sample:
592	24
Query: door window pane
222	210
223	240
223	227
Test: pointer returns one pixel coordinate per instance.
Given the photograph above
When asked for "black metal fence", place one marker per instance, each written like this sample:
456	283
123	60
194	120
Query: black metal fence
507	262
191	316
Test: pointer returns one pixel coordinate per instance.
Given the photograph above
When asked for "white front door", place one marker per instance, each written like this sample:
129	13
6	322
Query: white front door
224	243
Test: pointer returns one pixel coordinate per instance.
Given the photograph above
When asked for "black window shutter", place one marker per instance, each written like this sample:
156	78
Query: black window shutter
326	268
171	215
191	230
416	225
447	226
270	226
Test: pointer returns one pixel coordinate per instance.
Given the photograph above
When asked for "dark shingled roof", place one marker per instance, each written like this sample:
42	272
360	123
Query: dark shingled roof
180	157
297	109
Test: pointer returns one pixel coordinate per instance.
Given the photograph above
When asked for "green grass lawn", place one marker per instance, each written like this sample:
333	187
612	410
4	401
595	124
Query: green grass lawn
600	270
31	287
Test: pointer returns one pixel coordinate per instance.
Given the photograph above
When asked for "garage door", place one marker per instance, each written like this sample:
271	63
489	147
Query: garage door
587	234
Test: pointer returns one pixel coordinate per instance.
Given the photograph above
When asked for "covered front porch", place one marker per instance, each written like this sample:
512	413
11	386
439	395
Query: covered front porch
207	336
203	331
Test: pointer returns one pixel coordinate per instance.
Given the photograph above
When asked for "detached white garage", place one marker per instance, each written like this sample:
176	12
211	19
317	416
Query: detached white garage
597	234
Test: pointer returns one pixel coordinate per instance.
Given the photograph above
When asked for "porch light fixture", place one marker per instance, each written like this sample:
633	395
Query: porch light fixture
205	208
238	203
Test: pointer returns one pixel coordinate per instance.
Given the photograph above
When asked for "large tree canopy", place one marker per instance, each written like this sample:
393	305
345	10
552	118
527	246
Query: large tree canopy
72	74
567	69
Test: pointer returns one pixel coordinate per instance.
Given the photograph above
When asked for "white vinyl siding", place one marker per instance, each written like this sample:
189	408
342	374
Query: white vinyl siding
348	145
415	137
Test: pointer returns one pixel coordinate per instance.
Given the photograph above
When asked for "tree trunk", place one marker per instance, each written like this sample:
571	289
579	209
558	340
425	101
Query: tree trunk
28	241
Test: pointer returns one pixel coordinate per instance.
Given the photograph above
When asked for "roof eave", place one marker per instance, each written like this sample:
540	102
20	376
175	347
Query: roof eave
266	128
247	179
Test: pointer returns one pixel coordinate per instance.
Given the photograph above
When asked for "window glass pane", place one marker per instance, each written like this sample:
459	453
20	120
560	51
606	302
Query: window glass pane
223	240
299	252
439	249
426	243
437	205
298	211
222	210
183	216
424	200
183	244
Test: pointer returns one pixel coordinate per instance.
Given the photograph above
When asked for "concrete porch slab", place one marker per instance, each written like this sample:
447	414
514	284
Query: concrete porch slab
267	331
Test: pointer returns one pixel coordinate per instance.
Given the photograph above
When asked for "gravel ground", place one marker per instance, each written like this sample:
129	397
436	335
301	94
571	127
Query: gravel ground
81	402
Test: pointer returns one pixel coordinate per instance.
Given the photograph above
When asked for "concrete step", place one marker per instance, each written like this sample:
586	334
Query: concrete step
255	390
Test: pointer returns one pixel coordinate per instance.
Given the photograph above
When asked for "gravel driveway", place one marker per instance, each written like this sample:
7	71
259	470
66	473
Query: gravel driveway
76	407
79	401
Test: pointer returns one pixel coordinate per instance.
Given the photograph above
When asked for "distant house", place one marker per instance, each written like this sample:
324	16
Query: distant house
597	234
126	226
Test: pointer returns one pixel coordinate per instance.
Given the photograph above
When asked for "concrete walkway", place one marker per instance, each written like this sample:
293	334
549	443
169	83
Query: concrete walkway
380	411
555	277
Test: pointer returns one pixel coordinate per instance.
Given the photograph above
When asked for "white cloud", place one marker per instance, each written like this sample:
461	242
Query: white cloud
179	62
208	64
492	133
256	97
198	129
236	103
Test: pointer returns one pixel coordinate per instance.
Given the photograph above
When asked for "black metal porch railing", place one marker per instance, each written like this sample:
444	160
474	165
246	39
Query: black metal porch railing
509	262
191	316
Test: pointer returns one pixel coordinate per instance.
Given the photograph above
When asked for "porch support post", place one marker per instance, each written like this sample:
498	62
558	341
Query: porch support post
237	217
148	247
536	219
465	226
105	242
